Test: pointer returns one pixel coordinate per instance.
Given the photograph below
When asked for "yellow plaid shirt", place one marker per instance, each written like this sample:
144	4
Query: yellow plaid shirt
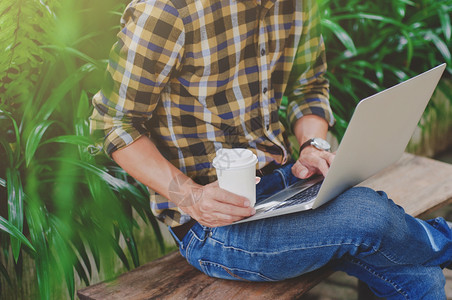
198	75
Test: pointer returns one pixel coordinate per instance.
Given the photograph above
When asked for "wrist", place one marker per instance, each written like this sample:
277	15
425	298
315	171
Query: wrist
183	191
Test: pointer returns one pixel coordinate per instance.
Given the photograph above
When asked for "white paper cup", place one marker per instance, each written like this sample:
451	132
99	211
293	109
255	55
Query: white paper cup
236	172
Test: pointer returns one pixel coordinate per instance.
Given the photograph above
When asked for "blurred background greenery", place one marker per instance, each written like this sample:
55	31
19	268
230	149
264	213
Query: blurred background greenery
68	215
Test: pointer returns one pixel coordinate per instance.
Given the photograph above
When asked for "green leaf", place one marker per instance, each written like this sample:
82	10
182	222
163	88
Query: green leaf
38	228
13	231
115	183
34	139
70	139
80	248
341	34
157	231
59	93
8	150
122	256
17	136
77	54
400	8
370	16
83	109
444	17
81	272
64	253
440	45
15	206
410	48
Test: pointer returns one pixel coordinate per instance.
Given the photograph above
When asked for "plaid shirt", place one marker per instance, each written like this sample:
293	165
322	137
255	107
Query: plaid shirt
199	75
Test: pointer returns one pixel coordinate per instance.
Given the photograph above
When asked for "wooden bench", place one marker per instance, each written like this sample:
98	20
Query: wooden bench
418	184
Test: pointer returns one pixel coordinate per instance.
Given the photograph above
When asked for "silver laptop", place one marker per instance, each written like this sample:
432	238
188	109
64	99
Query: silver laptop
376	137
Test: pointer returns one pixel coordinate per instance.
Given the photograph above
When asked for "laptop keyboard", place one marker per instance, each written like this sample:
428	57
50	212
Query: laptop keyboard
299	198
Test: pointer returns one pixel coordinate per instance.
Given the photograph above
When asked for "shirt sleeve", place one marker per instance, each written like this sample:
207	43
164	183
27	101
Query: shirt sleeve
149	47
308	90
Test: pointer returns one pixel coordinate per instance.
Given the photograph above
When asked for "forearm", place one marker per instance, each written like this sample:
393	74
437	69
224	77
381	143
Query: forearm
143	161
310	126
209	204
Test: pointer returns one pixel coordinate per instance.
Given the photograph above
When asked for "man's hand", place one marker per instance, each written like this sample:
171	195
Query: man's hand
211	205
312	161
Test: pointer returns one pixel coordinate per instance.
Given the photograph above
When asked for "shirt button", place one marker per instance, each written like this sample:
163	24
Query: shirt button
262	51
265	90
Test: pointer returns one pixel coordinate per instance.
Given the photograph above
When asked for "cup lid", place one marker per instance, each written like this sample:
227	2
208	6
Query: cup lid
235	158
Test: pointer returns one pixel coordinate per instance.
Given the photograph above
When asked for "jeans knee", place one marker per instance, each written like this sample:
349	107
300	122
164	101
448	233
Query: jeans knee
370	213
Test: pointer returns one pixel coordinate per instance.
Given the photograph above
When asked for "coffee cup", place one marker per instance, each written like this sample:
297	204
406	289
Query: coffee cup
236	172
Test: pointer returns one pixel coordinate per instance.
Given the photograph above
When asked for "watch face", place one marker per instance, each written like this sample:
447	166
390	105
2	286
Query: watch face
321	144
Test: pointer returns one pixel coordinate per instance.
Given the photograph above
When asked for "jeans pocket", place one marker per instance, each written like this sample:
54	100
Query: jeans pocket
220	271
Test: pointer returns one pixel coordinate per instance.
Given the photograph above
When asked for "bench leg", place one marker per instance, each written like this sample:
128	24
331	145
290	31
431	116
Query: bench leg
364	292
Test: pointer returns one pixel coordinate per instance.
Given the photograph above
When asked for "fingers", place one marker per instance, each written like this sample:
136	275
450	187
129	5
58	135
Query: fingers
323	167
213	191
328	157
235	212
218	207
301	171
313	162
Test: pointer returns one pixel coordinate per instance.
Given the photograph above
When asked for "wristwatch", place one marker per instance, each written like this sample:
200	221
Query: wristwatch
319	143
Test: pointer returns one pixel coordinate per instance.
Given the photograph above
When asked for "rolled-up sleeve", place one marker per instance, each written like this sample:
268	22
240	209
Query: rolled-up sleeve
149	47
308	90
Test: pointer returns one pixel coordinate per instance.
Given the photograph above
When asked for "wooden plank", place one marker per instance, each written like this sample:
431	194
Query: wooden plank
416	183
171	277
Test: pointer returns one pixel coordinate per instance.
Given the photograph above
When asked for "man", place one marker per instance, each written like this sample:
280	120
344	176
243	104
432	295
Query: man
188	77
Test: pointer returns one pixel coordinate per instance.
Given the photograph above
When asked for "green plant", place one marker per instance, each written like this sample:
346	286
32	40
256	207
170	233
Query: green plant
372	46
23	25
65	207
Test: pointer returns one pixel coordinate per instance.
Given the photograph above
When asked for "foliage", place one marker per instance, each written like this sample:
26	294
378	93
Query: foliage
23	26
59	203
71	204
374	45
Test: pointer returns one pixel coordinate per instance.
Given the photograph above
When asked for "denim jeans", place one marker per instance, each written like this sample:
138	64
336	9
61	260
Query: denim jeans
361	232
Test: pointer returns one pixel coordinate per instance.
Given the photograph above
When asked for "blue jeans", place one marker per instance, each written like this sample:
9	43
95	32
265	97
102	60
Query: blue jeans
361	232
